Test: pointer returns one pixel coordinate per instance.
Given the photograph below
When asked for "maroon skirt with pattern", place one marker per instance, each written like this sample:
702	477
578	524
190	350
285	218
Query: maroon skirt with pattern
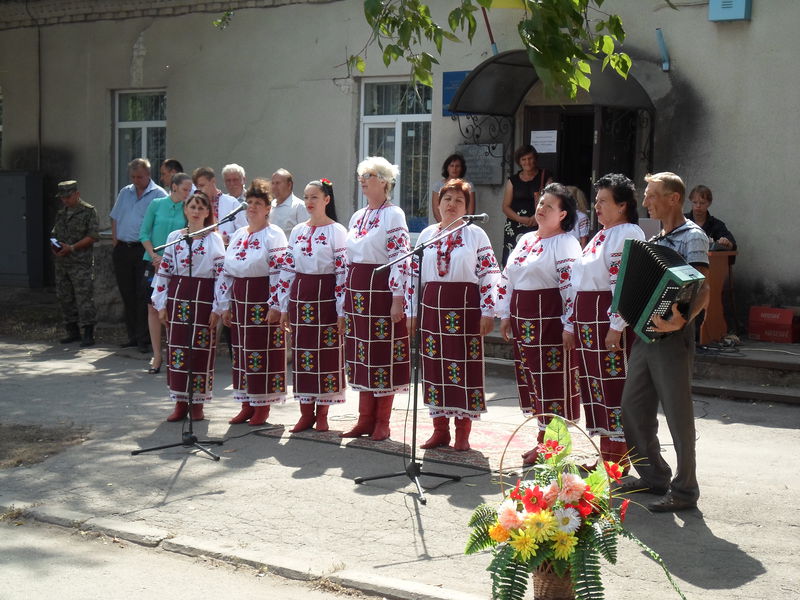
318	349
191	345
259	349
452	350
376	350
547	376
602	372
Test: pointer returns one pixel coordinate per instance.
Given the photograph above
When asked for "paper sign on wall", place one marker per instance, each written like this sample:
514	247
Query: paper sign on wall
545	141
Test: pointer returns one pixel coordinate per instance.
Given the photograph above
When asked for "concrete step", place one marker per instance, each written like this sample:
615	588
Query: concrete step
721	388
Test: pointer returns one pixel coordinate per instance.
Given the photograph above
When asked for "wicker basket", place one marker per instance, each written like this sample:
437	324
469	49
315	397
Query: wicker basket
549	586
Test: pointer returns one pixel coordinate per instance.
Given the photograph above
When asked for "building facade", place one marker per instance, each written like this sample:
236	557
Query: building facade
85	86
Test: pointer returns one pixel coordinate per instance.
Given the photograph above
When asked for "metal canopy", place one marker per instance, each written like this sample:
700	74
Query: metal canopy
498	85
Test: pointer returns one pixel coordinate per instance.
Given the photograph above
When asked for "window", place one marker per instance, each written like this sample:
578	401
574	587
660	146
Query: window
141	131
396	124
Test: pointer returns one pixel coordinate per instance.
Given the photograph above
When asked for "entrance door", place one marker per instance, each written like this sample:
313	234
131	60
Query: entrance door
591	141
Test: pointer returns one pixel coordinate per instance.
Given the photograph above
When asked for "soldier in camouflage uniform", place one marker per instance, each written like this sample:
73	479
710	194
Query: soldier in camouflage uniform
73	237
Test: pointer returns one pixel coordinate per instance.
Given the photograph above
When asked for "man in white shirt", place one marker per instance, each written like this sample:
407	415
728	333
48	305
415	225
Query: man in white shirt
287	209
233	176
222	204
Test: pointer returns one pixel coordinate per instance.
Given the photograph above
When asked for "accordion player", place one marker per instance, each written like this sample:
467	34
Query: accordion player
651	278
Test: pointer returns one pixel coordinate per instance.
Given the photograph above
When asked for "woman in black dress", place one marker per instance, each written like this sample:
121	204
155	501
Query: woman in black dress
521	196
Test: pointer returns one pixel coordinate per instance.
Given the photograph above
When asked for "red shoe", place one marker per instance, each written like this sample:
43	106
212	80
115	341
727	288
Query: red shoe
307	418
441	434
463	427
260	415
383	412
197	412
322	417
244	414
366	416
179	413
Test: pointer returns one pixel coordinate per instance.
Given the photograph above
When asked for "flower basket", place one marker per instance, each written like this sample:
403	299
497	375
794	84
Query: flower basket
548	585
555	525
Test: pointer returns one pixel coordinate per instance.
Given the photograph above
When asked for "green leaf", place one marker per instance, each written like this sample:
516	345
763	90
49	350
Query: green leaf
607	44
454	19
483	518
509	578
557	428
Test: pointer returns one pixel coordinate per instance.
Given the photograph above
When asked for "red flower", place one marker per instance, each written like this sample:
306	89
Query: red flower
533	500
613	470
623	510
583	507
515	495
549	448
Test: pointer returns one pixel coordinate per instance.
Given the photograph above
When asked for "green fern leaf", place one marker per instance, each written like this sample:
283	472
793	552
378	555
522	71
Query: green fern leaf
585	568
509	577
605	534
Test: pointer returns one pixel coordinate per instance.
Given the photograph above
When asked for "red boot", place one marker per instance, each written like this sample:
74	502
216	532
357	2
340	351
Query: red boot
322	417
441	434
244	414
307	418
366	416
383	412
260	415
463	427
529	457
197	412
179	413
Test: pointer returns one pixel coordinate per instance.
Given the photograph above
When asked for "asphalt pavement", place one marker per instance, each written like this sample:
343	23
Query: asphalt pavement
290	505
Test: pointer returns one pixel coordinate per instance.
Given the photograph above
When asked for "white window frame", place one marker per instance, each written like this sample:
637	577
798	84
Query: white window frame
143	125
385	121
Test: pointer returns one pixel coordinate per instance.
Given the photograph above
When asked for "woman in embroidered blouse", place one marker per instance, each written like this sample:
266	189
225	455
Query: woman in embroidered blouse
532	305
183	296
602	338
459	279
454	167
311	296
163	216
376	336
247	302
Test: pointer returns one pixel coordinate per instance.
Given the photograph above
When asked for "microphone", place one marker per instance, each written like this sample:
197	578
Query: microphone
481	218
229	217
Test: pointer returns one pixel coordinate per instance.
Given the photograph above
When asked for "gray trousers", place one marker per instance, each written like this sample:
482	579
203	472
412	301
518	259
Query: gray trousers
661	372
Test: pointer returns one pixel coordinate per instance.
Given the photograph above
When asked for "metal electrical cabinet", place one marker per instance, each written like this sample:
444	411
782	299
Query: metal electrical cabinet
22	243
729	10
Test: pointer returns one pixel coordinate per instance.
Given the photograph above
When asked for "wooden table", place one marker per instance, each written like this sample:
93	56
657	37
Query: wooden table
714	326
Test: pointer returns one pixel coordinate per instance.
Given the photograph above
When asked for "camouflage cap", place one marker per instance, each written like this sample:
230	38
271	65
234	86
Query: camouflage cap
65	188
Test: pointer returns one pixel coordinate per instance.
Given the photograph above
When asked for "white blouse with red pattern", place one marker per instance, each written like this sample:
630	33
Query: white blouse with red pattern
208	253
538	264
258	254
597	268
463	256
315	251
379	236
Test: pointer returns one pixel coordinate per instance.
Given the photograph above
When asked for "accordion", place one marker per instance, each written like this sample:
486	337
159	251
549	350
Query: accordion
651	279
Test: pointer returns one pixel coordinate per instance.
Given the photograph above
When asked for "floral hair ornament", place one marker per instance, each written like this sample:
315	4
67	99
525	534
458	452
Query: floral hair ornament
327	182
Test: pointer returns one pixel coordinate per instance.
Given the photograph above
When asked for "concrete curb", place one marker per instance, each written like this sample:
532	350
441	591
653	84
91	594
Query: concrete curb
396	589
282	566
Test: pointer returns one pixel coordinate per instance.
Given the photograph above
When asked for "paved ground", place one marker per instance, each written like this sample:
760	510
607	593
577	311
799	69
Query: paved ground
291	503
38	559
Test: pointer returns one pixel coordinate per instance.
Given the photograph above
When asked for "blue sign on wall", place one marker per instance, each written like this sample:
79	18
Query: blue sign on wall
451	81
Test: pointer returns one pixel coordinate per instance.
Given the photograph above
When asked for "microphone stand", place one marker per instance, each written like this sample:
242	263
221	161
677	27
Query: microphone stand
413	468
188	438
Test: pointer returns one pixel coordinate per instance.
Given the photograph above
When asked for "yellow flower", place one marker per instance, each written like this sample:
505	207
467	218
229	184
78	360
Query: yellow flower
498	533
540	524
524	544
564	544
